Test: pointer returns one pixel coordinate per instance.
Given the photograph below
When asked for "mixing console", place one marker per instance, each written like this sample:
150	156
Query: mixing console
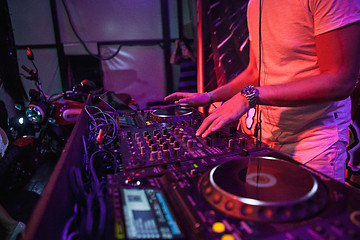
228	186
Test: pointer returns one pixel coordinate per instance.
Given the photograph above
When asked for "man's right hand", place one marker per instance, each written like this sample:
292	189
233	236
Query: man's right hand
192	99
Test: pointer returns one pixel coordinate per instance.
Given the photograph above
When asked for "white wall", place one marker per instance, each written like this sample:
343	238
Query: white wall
96	21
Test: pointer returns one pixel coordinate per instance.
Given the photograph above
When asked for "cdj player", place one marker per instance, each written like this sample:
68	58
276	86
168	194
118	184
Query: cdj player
228	186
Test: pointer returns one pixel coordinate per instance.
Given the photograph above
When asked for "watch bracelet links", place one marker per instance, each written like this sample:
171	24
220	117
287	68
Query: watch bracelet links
250	93
211	97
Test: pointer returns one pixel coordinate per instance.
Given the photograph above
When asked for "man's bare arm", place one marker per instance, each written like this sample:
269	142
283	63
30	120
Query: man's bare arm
339	59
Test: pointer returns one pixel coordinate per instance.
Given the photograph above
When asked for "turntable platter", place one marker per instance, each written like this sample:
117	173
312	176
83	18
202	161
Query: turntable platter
263	189
174	113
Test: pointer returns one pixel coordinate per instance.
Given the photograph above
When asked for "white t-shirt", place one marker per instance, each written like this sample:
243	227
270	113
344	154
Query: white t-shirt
288	30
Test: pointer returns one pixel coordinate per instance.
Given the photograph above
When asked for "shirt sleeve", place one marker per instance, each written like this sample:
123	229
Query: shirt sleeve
333	14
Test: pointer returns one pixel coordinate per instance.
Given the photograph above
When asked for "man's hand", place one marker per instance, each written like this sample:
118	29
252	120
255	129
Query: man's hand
177	43
192	99
230	111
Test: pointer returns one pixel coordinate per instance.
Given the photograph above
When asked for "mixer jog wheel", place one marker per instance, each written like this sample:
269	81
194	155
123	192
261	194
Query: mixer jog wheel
263	189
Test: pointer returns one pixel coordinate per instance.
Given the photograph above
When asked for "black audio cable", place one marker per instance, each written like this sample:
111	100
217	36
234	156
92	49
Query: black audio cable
103	125
89	217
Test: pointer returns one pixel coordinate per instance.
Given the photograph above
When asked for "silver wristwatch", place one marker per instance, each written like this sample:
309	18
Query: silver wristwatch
251	94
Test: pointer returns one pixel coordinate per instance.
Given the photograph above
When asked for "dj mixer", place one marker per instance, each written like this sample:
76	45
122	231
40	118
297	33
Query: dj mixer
228	186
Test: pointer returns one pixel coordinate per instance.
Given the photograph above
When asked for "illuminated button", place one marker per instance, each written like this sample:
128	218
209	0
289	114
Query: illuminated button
218	227
246	210
208	190
229	205
227	237
216	198
265	213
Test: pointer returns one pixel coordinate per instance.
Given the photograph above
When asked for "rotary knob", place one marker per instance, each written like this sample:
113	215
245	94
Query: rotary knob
242	142
231	143
165	146
176	130
190	143
153	147
153	156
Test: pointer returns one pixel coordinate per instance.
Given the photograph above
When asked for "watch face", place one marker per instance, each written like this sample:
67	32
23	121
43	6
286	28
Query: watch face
248	90
250	93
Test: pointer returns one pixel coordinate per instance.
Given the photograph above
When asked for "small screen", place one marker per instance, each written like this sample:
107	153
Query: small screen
147	215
